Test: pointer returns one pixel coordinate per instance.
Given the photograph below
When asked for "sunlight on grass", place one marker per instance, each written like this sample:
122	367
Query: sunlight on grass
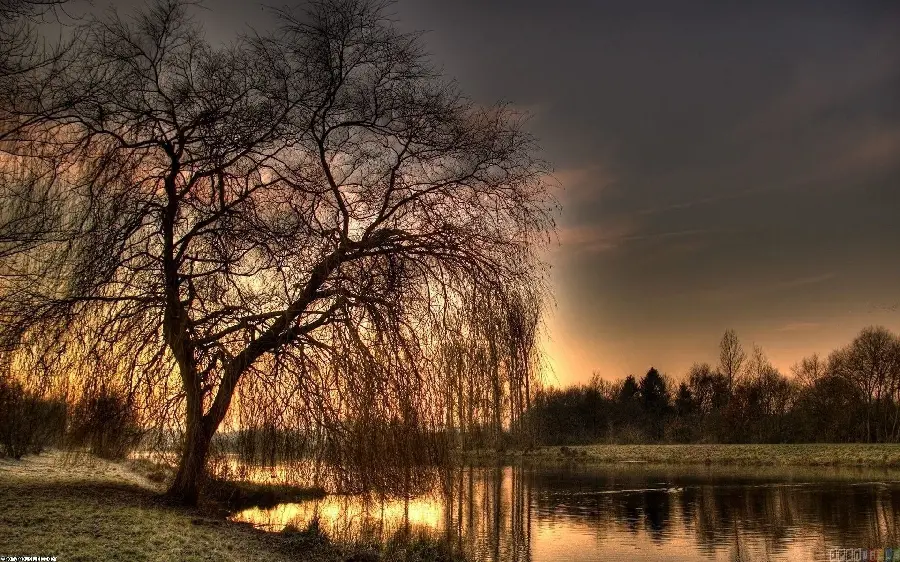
89	509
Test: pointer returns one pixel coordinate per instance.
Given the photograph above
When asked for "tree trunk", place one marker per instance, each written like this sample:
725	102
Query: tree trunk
185	489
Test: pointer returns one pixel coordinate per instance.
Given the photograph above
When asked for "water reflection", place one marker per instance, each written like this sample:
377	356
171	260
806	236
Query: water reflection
511	514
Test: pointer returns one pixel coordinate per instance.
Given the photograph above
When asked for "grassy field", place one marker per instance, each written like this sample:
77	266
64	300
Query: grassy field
84	508
811	455
89	509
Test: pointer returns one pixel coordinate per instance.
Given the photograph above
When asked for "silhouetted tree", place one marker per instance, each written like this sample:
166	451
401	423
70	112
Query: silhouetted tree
628	392
761	401
654	394
829	409
655	401
29	212
21	49
810	369
105	420
871	363
30	419
684	401
290	222
574	415
731	357
709	390
683	426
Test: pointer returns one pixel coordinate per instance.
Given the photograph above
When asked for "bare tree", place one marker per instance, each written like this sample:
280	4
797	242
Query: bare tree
871	363
709	389
765	396
30	211
758	365
293	221
731	357
810	370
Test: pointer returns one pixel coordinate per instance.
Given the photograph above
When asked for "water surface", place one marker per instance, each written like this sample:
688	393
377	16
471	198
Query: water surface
634	512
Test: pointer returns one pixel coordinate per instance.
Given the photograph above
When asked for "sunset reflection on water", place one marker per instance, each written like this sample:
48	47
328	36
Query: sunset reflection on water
352	516
516	514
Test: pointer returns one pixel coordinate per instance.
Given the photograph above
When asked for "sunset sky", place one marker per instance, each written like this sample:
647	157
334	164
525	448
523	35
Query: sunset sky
723	166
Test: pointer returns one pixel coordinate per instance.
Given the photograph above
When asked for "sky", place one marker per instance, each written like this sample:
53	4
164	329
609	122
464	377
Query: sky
723	165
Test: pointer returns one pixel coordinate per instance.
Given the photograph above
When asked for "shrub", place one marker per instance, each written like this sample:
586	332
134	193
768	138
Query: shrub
106	421
29	422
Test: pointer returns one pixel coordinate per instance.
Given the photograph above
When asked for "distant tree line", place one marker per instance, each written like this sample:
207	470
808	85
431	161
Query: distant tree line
853	395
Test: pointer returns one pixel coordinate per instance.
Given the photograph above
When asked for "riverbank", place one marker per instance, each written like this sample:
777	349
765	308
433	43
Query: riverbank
806	455
82	508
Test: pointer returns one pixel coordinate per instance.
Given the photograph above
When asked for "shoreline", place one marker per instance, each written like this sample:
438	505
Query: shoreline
852	455
84	508
80	507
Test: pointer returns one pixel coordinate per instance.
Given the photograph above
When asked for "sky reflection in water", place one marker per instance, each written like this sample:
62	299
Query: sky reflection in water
637	513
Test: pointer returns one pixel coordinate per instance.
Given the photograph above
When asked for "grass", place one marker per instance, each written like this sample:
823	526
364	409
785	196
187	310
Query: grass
806	455
82	508
85	508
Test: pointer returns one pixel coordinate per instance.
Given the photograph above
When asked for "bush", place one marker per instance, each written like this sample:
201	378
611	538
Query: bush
28	422
106	421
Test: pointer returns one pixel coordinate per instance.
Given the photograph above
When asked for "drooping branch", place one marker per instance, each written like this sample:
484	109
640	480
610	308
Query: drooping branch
301	218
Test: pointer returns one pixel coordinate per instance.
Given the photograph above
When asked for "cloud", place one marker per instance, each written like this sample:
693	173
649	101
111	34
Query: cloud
848	156
803	281
597	238
874	150
814	90
726	196
668	234
826	125
614	234
745	291
583	184
858	152
799	327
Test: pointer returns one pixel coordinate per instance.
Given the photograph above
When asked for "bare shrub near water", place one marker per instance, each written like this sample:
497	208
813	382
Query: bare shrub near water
106	422
30	420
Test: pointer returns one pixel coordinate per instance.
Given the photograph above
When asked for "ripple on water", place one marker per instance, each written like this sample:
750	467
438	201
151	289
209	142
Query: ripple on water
518	514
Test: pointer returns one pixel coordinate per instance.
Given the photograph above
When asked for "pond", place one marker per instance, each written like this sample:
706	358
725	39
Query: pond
632	512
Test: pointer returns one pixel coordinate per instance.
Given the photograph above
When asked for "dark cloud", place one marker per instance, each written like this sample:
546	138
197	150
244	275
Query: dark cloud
725	164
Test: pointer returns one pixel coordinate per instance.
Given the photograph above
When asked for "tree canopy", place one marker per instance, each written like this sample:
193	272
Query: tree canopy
293	223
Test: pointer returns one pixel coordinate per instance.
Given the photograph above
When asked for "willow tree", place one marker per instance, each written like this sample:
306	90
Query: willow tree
302	211
28	214
21	50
